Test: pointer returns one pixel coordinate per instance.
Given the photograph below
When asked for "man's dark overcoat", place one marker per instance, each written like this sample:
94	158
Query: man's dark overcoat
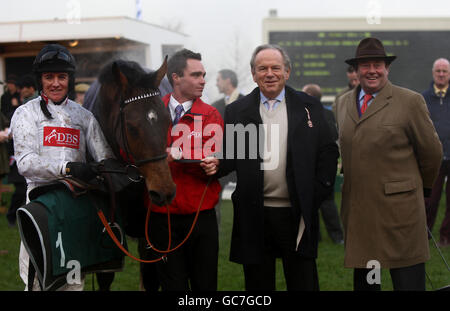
311	170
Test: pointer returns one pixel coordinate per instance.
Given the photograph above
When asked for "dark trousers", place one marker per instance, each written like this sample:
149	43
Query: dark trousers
280	240
403	279
331	219
149	275
104	280
17	200
432	203
193	266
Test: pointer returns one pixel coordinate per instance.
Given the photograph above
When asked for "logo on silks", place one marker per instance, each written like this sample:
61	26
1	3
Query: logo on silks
61	137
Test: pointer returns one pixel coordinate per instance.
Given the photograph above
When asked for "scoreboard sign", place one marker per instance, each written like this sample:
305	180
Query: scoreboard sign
318	56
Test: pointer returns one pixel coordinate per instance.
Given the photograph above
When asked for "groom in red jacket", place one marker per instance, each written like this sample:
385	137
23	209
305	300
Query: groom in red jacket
195	133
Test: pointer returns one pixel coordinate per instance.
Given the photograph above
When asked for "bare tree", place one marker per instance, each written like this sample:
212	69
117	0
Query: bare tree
238	58
174	25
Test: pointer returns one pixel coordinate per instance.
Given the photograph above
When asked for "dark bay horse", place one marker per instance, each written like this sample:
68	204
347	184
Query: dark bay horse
135	122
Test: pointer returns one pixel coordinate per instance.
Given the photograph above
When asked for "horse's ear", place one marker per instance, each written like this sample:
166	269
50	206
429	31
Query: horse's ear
161	72
120	78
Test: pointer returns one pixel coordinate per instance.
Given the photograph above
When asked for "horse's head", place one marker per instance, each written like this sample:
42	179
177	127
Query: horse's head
135	122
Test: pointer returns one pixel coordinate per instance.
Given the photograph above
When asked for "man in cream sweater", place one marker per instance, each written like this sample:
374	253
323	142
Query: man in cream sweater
280	146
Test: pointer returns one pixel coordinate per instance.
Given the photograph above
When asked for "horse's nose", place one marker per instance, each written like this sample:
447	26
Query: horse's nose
161	199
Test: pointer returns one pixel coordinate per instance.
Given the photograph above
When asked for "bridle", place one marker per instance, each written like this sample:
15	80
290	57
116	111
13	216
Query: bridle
129	154
130	157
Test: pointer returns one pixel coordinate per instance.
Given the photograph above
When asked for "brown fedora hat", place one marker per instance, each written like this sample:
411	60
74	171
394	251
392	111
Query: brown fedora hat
370	48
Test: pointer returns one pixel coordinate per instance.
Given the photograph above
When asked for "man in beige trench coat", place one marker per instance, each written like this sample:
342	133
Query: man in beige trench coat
391	156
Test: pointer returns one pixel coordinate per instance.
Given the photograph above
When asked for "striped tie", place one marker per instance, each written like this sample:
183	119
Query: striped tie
178	111
271	103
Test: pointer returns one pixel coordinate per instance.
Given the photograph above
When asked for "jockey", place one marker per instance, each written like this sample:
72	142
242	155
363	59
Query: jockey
52	134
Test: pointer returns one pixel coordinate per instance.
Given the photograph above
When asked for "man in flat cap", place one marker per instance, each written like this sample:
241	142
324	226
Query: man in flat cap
80	91
391	156
11	97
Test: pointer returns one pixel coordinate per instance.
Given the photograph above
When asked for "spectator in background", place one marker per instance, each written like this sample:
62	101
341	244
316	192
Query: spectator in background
3	152
165	87
227	83
437	98
4	136
20	187
4	158
11	97
328	207
28	91
352	82
80	90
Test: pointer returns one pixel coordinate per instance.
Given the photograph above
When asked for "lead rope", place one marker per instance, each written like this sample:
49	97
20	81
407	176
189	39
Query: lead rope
169	250
117	242
105	223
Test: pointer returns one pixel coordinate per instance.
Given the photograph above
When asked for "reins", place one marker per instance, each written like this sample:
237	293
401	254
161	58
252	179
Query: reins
169	250
111	234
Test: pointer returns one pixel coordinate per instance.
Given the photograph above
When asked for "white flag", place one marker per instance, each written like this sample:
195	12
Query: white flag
138	9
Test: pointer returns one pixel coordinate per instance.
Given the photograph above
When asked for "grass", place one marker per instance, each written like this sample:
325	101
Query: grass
332	275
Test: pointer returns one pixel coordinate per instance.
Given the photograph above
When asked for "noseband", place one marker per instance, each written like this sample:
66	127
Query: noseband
128	152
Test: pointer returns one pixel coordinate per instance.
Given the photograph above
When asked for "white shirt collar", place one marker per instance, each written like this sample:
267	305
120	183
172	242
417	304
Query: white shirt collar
187	105
279	98
362	93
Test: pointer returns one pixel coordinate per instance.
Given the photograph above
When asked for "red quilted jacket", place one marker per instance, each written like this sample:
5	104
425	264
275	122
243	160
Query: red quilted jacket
198	134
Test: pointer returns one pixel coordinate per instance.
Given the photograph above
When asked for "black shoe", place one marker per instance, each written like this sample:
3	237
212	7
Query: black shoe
11	223
339	241
443	243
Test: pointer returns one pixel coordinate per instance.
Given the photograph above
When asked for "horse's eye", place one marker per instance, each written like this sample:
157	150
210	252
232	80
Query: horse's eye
133	129
152	116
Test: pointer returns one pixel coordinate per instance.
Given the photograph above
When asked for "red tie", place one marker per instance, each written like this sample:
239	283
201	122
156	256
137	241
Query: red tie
367	97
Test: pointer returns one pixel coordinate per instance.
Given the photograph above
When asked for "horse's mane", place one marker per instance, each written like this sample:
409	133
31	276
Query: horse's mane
136	75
